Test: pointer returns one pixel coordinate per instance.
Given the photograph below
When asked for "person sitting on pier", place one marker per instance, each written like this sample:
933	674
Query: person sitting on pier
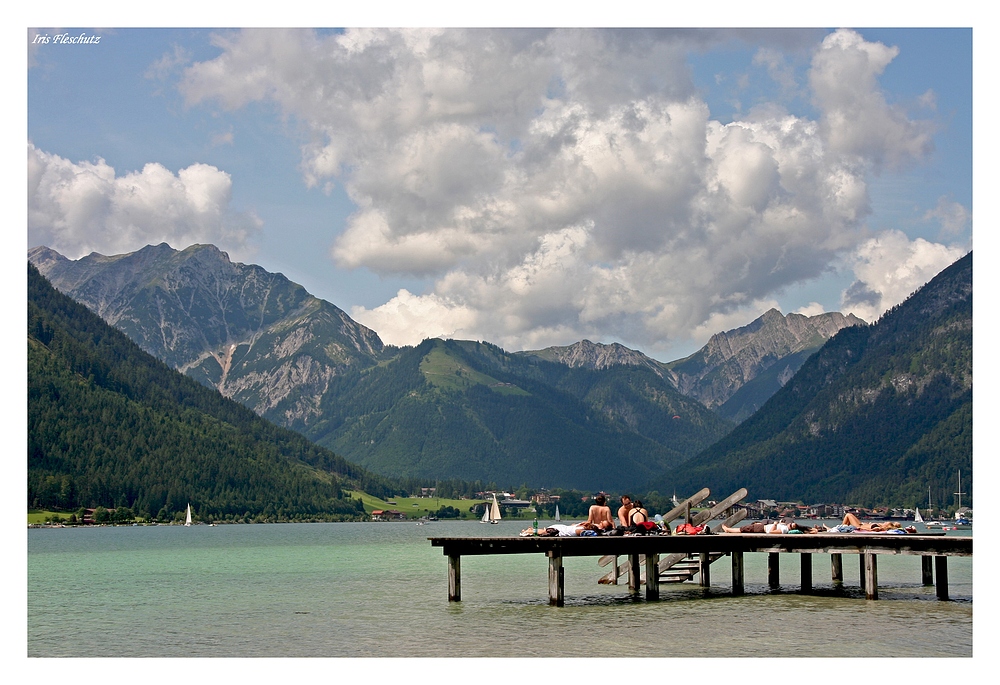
637	514
640	523
600	514
623	511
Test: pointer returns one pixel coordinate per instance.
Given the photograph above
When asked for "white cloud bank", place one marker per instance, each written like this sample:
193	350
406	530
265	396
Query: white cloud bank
564	184
79	208
890	267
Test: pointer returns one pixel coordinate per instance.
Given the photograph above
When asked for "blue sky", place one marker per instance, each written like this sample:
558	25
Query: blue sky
528	188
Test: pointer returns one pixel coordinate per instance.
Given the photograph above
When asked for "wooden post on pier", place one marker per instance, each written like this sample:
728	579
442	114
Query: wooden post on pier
634	571
926	570
870	562
652	576
737	573
556	578
454	578
837	568
941	571
772	570
704	570
806	573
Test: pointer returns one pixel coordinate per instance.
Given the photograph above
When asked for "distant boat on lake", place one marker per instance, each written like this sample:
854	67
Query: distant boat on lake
187	519
492	514
557	514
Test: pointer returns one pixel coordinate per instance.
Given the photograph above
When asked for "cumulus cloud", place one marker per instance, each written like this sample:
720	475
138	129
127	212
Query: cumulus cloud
413	319
889	268
857	120
953	217
811	309
81	207
555	185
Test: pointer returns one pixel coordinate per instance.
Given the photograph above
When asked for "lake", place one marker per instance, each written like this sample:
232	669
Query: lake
380	589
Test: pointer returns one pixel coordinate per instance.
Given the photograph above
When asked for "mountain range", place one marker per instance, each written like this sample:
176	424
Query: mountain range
736	371
880	412
263	340
588	415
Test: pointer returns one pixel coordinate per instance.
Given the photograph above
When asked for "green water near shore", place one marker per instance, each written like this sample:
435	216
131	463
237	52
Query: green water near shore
380	589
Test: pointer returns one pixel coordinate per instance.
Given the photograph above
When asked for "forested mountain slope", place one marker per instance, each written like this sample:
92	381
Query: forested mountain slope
110	425
472	411
878	415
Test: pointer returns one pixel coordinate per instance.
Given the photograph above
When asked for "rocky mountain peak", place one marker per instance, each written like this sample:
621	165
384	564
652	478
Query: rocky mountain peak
591	355
732	359
253	335
773	342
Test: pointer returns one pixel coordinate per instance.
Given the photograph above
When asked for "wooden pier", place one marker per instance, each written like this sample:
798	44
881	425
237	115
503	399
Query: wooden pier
658	552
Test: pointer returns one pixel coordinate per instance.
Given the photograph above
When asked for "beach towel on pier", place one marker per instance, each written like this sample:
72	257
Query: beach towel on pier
688	529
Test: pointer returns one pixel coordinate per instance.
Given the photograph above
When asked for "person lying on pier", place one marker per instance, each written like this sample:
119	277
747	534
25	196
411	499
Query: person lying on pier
852	523
582	529
600	514
772	528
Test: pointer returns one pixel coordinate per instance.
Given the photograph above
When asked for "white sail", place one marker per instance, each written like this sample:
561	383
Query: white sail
917	518
486	514
187	520
557	513
495	511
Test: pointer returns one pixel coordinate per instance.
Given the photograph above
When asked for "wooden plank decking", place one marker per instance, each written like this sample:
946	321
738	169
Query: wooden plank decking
867	547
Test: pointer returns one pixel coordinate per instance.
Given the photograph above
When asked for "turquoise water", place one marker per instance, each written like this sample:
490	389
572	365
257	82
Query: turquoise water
380	589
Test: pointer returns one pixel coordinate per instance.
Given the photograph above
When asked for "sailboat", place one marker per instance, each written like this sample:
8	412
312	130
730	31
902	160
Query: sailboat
960	518
492	513
917	518
187	519
930	508
557	514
